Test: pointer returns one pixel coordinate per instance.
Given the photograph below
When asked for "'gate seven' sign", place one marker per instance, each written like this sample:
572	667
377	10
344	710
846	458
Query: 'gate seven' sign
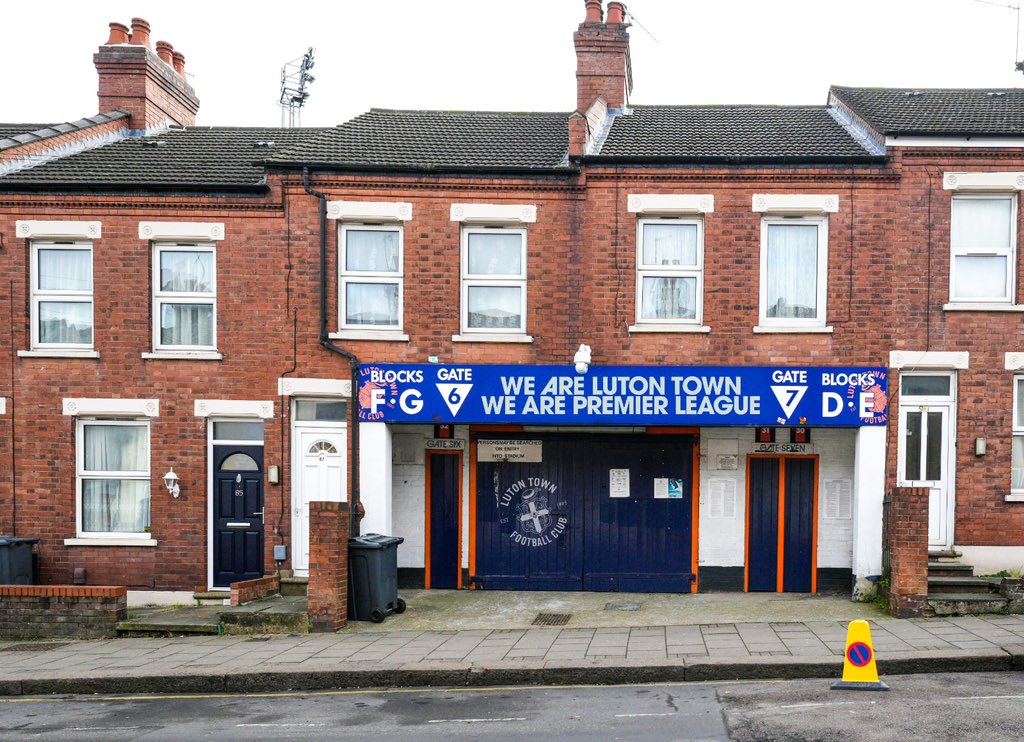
624	395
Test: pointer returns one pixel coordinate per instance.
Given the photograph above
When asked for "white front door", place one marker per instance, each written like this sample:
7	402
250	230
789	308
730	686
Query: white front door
926	449
319	466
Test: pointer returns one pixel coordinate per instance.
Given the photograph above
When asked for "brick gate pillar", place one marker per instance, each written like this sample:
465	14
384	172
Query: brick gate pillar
328	565
906	543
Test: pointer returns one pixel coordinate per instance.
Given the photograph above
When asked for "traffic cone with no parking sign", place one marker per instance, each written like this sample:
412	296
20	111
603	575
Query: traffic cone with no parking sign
859	670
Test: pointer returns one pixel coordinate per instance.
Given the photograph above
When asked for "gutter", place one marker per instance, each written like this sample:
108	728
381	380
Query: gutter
356	510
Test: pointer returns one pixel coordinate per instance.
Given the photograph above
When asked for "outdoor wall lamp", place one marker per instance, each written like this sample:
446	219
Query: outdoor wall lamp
171	480
582	359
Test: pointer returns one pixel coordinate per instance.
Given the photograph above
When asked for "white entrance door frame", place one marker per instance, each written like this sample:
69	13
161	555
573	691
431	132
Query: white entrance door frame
920	462
319	472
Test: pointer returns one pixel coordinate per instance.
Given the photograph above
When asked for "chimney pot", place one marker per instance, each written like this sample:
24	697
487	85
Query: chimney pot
616	12
594	11
165	50
179	63
140	32
118	34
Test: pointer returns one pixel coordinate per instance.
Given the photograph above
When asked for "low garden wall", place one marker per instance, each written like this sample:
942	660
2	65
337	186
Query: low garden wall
61	611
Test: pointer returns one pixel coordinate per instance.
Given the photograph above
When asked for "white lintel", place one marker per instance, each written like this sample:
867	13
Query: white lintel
795	203
1014	361
918	359
671	203
494	213
111	407
208	231
1005	181
288	387
263	409
370	211
38	230
3	405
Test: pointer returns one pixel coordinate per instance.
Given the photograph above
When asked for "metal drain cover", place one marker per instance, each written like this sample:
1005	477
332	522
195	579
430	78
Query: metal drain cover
552	619
622	606
33	647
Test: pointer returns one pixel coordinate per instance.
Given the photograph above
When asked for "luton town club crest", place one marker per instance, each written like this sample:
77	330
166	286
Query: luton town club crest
534	511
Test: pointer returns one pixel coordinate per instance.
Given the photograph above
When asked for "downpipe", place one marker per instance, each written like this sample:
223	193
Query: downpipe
356	510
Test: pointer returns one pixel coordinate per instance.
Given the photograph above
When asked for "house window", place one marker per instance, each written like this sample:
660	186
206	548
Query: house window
113	477
493	280
371	277
983	240
184	296
1017	463
670	271
794	271
62	315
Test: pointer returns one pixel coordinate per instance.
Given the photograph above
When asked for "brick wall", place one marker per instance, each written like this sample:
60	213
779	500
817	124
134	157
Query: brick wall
328	565
250	590
134	79
61	611
906	543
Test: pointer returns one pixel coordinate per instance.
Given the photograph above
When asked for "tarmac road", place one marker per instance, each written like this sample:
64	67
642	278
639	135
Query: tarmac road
968	706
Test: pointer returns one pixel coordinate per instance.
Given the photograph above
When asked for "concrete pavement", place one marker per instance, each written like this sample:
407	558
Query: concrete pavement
497	656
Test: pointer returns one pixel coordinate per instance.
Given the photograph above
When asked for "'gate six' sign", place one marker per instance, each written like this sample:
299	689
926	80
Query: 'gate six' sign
624	395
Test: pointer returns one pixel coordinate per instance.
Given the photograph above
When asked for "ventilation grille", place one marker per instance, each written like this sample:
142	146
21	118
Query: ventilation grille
552	619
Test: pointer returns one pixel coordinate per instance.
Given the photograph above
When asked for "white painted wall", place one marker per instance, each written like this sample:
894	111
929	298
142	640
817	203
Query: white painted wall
375	489
868	491
723	496
988	560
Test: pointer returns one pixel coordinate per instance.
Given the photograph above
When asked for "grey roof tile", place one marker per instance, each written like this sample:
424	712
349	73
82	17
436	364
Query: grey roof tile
731	134
194	158
437	140
15	135
937	111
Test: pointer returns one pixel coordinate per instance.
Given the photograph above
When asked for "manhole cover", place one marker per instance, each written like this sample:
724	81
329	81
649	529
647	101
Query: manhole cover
622	606
552	619
33	647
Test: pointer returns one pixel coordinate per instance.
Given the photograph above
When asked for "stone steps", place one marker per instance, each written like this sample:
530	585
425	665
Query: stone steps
966	604
949	569
938	585
294	586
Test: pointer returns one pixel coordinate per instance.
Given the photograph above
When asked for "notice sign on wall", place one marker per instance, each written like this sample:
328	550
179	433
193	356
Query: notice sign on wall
517	451
618	483
624	395
668	489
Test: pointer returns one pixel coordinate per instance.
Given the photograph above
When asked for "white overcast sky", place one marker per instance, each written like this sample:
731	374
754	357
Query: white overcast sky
504	54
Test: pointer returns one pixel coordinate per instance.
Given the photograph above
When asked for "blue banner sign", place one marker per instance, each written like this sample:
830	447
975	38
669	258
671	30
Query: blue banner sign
624	395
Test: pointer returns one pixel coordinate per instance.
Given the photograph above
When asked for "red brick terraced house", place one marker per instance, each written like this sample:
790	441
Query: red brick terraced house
623	347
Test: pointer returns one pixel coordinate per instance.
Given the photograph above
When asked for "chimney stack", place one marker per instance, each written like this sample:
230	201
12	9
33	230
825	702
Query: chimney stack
604	77
151	88
602	57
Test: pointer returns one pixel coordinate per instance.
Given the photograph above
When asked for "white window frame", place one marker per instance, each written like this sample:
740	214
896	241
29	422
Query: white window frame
383	277
81	474
795	323
1009	252
470	280
182	297
668	271
39	296
1017	432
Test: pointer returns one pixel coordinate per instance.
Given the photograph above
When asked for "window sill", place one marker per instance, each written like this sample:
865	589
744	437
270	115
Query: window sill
385	336
495	338
183	355
668	328
981	307
791	330
110	542
1014	497
58	354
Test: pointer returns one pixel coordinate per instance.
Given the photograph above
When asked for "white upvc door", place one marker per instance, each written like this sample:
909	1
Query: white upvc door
925	450
318	464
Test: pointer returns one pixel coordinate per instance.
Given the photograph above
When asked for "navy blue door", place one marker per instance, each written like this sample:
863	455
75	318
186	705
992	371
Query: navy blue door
237	514
791	530
798	543
443	470
763	525
641	543
554	525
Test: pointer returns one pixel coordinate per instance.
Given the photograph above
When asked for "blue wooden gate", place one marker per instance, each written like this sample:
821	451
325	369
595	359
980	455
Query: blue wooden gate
781	512
561	523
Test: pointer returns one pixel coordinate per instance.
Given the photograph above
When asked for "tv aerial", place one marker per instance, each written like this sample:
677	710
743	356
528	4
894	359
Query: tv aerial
295	79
